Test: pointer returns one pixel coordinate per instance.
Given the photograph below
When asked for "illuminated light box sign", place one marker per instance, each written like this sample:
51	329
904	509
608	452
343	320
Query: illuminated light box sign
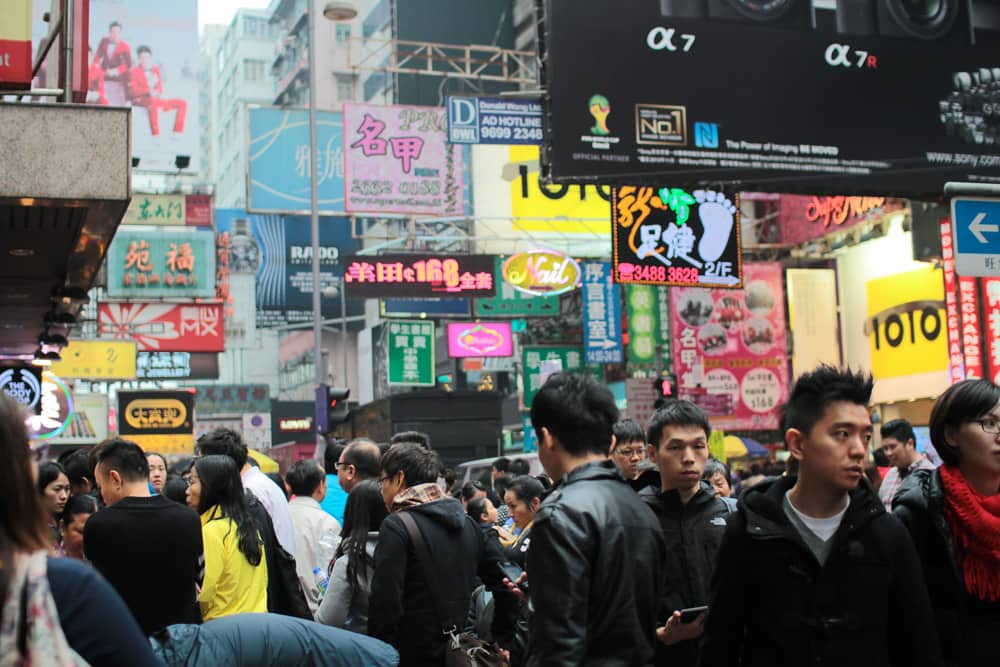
23	384
55	408
156	412
480	339
419	276
672	236
164	327
542	272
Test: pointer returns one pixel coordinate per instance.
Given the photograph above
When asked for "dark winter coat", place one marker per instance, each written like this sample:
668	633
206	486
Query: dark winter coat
968	627
595	568
401	610
773	604
693	534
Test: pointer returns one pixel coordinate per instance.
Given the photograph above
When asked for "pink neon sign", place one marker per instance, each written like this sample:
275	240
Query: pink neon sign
480	339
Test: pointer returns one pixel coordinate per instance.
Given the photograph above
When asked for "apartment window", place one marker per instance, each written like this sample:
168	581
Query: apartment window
254	70
250	25
345	87
343	33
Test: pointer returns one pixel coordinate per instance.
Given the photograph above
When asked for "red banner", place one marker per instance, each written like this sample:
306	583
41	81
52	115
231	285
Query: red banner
956	361
802	218
972	343
991	313
164	327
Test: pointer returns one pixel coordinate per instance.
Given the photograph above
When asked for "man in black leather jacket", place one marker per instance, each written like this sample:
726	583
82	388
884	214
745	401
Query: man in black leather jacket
597	554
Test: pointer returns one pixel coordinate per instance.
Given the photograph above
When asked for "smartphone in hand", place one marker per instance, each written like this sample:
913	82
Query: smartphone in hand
513	572
691	613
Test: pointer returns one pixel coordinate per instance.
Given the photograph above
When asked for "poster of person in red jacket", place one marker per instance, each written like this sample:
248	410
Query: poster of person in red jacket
145	56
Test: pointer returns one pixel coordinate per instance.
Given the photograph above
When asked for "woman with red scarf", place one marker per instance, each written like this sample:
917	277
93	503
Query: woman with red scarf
953	515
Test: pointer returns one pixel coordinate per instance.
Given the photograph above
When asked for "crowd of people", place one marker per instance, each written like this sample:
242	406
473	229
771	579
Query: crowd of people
635	547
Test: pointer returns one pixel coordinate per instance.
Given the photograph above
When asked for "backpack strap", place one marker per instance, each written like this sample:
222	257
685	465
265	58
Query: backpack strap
433	581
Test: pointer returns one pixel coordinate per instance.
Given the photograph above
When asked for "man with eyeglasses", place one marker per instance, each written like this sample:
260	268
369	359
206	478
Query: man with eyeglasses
899	446
359	461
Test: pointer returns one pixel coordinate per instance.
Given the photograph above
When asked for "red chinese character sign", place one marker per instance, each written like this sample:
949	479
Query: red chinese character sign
397	160
419	276
956	361
732	344
669	236
164	327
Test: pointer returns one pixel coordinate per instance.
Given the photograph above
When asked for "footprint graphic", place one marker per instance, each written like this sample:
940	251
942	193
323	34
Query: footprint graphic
717	215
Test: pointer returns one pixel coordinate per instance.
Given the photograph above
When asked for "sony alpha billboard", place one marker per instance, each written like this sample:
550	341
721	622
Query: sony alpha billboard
826	96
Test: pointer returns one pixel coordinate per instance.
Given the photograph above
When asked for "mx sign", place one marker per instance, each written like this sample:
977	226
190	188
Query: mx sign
976	222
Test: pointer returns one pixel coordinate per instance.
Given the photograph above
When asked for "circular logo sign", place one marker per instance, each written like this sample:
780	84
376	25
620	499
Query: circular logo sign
22	385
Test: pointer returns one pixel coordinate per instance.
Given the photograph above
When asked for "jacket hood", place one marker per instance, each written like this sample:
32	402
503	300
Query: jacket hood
448	512
921	490
766	515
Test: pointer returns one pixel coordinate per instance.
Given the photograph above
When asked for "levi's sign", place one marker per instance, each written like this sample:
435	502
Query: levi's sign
541	272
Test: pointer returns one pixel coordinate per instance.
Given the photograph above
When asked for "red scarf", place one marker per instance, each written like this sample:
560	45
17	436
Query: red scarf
975	526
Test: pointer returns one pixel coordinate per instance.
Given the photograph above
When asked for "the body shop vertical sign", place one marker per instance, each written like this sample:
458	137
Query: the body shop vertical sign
411	353
602	315
397	160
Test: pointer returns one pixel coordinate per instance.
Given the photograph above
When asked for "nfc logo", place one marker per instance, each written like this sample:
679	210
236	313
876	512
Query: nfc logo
706	135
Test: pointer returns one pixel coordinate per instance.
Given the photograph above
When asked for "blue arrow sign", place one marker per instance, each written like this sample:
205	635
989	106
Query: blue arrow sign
976	223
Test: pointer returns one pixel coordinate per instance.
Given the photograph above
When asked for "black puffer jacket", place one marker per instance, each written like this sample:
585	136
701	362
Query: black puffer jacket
773	604
968	627
401	610
595	568
693	533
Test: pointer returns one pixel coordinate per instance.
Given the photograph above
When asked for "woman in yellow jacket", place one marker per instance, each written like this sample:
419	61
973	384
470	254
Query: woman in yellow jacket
235	579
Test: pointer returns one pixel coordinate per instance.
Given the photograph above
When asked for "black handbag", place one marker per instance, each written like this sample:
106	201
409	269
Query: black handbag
284	590
462	649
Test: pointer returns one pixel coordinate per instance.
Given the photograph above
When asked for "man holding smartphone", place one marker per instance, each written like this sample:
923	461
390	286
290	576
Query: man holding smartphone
693	520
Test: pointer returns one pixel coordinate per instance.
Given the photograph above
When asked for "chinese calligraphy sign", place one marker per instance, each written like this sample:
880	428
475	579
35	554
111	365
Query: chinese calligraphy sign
669	236
162	264
419	276
411	353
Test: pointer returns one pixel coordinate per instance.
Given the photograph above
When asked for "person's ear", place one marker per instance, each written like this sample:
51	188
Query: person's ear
614	443
796	441
535	504
116	478
651	453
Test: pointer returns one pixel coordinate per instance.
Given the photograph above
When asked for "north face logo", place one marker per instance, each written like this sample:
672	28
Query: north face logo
718	521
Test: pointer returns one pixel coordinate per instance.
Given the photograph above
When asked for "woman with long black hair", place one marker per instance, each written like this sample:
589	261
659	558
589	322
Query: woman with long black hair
953	515
345	604
235	567
53	485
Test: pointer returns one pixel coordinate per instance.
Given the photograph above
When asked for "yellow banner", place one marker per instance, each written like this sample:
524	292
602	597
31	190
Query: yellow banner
15	22
581	207
97	360
164	444
156	210
906	325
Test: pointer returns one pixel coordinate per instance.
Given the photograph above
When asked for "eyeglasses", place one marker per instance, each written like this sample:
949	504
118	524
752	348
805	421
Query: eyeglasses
989	425
383	480
630	453
341	464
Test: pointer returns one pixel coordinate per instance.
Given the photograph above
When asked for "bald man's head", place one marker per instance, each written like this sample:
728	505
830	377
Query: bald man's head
359	461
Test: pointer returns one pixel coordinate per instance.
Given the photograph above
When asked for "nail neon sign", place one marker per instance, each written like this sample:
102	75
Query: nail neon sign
542	272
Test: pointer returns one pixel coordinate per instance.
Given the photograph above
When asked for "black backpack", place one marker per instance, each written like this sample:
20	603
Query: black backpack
284	591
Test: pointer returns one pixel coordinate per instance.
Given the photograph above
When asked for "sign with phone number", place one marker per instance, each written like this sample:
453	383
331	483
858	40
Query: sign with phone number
669	236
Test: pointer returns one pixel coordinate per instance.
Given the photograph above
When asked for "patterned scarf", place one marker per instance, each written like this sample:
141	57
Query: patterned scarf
417	495
45	643
975	526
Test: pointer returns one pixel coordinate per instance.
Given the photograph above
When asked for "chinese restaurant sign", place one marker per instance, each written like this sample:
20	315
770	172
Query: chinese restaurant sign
732	344
177	366
991	313
419	276
169	210
164	327
411	353
541	272
397	160
512	302
669	236
480	339
160	421
174	263
538	360
647	308
602	315
97	360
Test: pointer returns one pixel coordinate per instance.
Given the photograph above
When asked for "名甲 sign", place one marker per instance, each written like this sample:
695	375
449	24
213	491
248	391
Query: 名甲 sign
397	160
411	353
419	276
976	224
602	315
541	272
168	263
164	327
97	360
669	236
480	339
488	120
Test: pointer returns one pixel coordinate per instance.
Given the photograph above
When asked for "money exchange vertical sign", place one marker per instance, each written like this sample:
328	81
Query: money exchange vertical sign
397	160
648	312
411	353
602	315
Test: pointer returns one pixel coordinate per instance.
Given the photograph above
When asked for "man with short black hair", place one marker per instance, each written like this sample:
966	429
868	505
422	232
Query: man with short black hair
519	467
628	448
418	437
317	534
401	610
899	446
228	442
359	461
812	570
148	547
693	520
597	554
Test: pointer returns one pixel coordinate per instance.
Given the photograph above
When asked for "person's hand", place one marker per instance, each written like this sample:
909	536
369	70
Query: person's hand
675	631
515	586
503	533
